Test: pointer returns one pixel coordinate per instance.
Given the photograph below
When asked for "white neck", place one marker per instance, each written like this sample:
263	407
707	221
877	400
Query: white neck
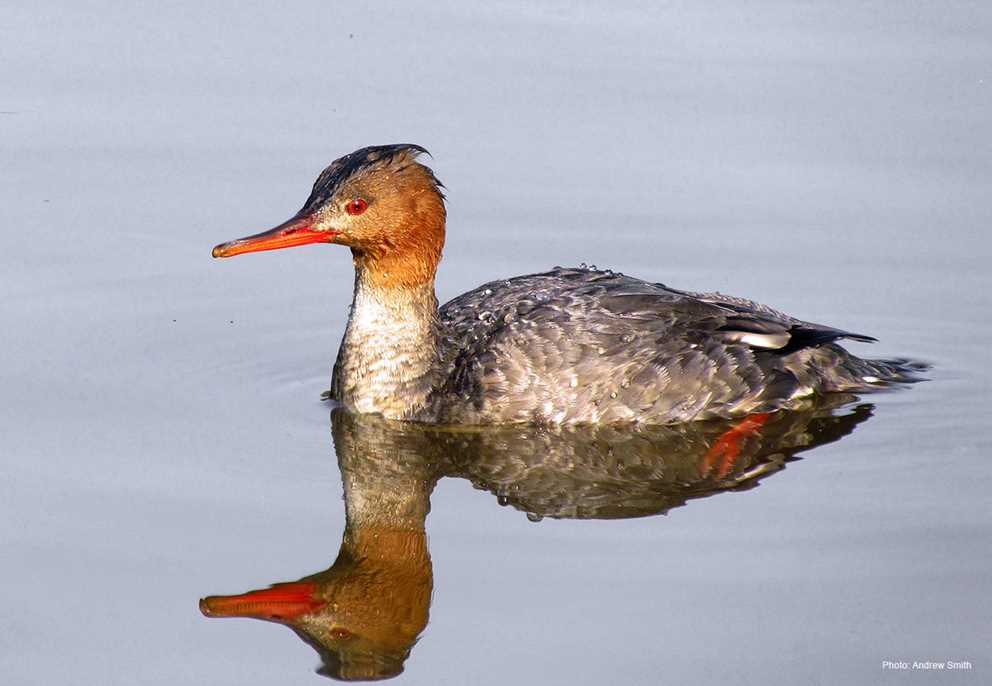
389	353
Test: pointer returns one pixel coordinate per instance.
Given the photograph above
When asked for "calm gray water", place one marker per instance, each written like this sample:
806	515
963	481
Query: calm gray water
162	435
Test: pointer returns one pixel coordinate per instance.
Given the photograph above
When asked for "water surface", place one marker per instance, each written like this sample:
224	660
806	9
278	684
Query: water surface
162	433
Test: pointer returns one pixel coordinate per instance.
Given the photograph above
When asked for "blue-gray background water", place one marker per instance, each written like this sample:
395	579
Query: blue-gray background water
161	433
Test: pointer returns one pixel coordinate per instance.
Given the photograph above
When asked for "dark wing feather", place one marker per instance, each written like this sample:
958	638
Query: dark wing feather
747	316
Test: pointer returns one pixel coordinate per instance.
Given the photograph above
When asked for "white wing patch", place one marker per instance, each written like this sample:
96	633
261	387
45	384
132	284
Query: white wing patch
771	341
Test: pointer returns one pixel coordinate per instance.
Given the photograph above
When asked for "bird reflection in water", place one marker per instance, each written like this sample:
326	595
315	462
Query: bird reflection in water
363	615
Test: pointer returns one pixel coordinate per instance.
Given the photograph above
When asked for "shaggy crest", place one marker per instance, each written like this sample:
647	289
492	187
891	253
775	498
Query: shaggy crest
394	159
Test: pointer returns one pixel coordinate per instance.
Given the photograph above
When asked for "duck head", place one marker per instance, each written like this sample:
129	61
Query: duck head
363	615
380	202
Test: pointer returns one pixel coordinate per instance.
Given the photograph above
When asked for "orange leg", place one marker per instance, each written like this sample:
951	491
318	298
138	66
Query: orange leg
727	447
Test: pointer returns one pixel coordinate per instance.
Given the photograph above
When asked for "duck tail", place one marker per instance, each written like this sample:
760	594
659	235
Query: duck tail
831	367
890	372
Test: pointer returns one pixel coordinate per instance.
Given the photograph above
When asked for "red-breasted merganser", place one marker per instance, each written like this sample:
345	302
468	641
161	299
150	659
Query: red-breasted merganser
566	346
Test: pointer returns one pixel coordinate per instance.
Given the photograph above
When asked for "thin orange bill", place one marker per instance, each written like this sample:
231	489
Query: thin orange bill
297	231
280	603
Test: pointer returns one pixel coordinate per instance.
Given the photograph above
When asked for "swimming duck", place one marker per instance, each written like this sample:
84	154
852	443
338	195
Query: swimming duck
566	346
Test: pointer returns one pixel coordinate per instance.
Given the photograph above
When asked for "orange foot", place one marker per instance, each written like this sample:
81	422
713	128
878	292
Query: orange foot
727	447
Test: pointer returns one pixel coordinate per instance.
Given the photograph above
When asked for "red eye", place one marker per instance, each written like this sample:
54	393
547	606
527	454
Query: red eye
356	206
